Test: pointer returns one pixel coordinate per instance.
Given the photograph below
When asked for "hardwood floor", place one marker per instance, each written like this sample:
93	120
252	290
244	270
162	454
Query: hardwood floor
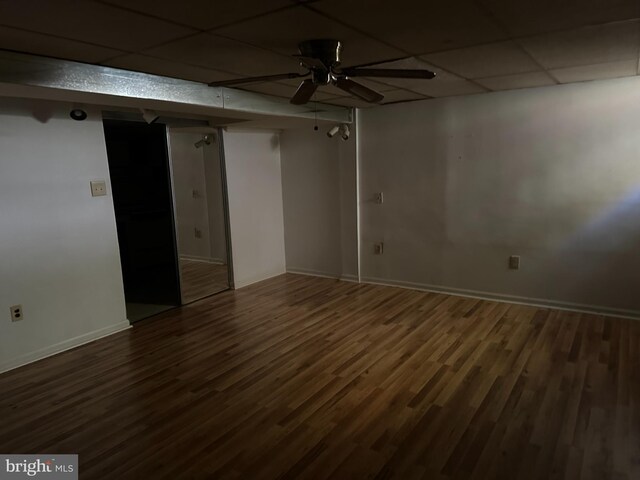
300	377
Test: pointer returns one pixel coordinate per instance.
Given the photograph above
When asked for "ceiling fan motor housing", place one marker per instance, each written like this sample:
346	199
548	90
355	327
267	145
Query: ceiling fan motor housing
326	50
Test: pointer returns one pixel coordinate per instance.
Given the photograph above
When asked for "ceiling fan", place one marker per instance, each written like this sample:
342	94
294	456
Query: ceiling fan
321	58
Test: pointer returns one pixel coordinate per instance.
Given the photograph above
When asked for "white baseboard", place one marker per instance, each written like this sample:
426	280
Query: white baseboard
316	273
63	346
245	282
534	302
312	273
349	278
194	258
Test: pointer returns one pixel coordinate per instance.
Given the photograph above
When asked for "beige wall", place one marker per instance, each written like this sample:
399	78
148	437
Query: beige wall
551	174
319	197
58	244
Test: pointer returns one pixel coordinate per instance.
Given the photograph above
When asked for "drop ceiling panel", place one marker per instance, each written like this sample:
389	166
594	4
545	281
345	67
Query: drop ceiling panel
89	22
202	14
529	17
323	92
444	84
519	80
282	31
270	88
417	26
596	72
586	46
39	44
212	51
401	96
502	58
350	102
159	66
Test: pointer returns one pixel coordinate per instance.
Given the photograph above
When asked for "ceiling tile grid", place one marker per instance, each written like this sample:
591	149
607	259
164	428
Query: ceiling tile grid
585	46
492	59
203	14
282	31
212	51
50	46
599	71
90	22
473	45
516	81
168	68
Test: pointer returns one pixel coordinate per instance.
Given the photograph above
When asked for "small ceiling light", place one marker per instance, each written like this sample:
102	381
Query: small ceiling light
343	128
344	131
78	114
149	116
335	129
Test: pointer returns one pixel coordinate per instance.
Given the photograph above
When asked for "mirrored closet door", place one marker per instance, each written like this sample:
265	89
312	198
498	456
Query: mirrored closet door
200	211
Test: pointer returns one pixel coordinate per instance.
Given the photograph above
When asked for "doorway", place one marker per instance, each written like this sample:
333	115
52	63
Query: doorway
141	186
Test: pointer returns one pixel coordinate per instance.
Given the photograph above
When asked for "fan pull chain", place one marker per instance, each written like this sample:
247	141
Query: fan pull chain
315	112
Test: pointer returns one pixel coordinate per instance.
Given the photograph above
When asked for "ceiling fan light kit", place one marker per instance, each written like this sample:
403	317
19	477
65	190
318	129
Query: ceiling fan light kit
322	59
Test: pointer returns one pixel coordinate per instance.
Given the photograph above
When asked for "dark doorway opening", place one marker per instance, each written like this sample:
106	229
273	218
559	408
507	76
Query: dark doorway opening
141	187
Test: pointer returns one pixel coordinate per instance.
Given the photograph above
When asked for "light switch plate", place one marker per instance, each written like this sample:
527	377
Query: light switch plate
378	198
378	248
514	262
98	188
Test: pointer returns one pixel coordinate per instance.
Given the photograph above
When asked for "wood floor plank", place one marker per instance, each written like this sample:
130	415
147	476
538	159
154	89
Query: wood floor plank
302	377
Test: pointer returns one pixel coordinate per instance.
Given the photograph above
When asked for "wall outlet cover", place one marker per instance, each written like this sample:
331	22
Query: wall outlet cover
16	313
514	262
378	248
378	198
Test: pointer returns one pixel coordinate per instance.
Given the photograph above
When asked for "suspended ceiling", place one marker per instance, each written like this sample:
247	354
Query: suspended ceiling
474	46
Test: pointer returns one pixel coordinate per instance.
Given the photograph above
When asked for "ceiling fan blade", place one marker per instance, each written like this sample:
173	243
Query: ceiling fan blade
388	73
304	93
359	90
264	78
311	62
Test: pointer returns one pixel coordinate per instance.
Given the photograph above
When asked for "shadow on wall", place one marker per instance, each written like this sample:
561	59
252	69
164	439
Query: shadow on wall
616	233
275	142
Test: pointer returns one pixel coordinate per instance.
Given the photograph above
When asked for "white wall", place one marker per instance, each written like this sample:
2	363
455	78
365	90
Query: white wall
58	245
551	174
255	205
319	197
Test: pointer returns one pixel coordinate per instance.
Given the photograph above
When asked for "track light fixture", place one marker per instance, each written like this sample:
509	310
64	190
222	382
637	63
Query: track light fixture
332	132
344	131
342	128
206	140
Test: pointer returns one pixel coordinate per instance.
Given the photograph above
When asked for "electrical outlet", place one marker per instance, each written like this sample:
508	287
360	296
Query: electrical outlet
378	198
514	262
197	233
16	313
378	248
98	188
